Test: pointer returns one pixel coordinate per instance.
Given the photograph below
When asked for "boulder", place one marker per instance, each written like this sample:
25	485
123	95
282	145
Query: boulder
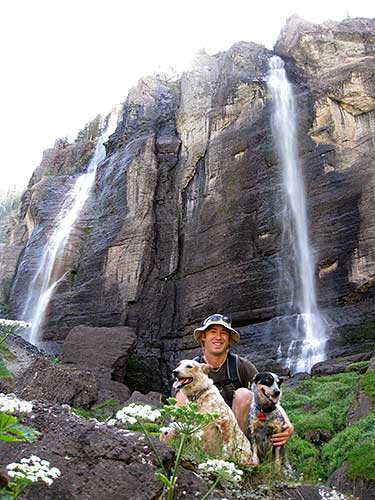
151	398
359	488
104	352
338	365
96	461
51	382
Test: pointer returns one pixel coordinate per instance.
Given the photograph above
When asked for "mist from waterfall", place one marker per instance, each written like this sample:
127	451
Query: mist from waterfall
49	272
309	328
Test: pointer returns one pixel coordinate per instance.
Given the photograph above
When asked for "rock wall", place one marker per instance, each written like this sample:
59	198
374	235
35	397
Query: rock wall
186	215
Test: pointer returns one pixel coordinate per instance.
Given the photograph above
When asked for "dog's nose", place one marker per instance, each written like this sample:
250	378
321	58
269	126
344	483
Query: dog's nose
174	373
277	392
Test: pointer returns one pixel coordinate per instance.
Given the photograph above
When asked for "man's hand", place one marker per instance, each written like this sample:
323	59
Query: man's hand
283	437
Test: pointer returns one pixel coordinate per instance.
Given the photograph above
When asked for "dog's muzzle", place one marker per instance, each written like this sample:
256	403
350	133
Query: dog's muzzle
180	382
272	398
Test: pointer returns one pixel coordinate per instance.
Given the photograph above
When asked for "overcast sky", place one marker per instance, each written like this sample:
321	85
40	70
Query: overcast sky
66	61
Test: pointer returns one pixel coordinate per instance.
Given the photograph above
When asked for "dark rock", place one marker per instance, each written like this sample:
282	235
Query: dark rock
104	352
360	408
359	488
152	398
338	365
99	349
318	437
305	493
57	383
96	462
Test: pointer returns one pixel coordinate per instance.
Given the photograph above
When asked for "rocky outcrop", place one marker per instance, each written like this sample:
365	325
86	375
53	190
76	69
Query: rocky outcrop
57	383
186	215
96	461
104	352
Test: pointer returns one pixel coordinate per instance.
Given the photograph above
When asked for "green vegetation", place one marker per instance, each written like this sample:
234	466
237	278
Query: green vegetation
101	411
318	408
349	445
360	367
368	384
90	131
4	372
321	403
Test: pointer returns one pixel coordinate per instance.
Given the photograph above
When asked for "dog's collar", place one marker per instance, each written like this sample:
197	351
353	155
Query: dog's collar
262	416
265	410
197	396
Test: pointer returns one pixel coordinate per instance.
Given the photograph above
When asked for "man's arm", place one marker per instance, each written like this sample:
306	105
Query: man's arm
282	438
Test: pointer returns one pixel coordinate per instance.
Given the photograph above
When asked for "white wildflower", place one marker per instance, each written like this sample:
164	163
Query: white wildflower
132	413
220	467
33	469
11	404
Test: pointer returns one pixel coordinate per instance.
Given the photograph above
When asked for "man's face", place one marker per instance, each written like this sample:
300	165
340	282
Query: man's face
216	339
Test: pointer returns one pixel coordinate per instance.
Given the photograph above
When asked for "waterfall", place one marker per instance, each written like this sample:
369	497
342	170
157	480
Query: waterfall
49	272
309	329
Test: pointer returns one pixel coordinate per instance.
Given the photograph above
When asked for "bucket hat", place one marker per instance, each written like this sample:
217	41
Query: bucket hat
217	319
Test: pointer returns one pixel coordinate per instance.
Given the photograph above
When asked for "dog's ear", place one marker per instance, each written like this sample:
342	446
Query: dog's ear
281	380
256	378
206	368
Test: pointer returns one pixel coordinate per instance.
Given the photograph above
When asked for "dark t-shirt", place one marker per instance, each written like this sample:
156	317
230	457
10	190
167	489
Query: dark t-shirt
246	371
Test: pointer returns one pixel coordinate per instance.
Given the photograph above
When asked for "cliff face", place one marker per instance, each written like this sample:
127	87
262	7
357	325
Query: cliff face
186	215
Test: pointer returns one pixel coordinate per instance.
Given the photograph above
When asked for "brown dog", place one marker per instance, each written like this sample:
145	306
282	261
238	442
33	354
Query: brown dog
223	438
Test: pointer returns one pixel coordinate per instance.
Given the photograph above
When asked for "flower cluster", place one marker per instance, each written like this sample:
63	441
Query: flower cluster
331	494
15	324
132	413
226	470
11	404
33	469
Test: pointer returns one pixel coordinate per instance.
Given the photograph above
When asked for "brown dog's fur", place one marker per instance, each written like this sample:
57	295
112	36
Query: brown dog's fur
223	438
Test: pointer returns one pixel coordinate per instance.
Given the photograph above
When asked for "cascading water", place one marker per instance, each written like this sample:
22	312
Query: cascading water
49	272
308	346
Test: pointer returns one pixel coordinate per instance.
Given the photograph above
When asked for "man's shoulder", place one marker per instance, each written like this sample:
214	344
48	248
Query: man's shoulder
246	368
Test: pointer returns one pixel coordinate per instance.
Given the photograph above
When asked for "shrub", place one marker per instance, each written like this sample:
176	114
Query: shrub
348	445
305	459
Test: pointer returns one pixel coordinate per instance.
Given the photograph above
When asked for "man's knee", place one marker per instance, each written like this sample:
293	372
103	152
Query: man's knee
243	397
242	401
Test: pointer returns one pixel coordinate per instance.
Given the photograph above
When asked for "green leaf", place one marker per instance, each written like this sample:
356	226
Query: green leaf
163	479
27	433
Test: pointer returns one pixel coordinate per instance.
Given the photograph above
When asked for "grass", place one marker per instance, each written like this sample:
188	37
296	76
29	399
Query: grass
4	372
320	403
318	406
356	444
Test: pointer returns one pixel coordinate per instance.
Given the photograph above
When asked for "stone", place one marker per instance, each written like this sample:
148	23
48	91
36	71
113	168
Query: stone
50	382
99	349
151	398
359	487
96	461
337	365
104	352
360	408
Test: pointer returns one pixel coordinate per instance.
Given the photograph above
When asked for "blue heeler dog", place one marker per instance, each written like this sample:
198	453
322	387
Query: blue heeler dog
266	418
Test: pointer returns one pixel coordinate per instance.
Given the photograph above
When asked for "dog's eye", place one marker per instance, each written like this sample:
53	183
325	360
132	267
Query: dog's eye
189	366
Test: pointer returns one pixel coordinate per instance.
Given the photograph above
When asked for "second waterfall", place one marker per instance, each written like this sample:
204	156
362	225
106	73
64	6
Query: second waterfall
49	272
308	330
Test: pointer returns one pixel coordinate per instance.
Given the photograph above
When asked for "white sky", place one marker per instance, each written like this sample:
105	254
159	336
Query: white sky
65	61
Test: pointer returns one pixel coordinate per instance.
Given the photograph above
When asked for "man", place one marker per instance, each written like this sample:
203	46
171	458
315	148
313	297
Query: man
232	374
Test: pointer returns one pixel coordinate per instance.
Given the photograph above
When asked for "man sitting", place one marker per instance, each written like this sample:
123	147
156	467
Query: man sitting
232	374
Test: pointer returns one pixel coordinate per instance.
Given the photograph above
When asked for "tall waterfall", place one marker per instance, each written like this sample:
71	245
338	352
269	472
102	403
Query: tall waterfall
309	328
49	272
